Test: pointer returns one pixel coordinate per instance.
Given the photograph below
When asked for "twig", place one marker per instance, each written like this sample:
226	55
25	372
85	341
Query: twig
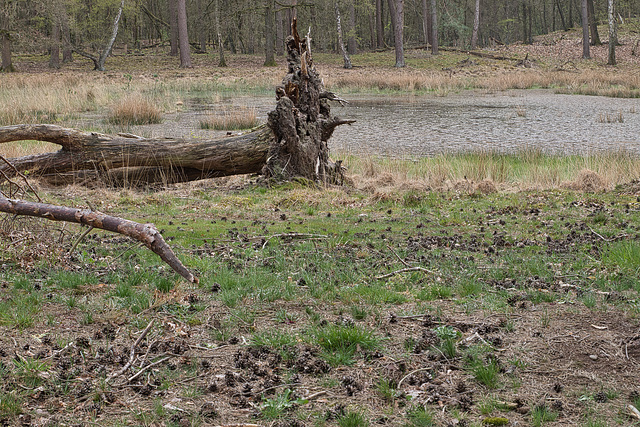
73	248
411	373
398	256
404	270
633	411
600	236
24	178
62	350
314	395
149	366
132	354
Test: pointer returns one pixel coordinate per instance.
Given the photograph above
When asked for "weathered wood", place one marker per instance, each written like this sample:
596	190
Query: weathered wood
294	142
87	156
145	233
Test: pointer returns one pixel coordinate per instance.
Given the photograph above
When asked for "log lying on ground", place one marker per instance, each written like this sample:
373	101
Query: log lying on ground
294	142
145	233
88	157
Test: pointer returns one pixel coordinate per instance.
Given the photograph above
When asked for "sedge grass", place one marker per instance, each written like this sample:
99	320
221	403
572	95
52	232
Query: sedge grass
243	118
133	110
527	169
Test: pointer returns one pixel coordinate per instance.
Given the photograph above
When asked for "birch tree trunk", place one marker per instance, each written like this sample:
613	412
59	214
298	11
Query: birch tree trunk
183	35
114	33
476	26
345	54
585	30
613	33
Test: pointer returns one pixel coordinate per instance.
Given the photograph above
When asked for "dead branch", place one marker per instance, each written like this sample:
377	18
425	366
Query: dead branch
145	233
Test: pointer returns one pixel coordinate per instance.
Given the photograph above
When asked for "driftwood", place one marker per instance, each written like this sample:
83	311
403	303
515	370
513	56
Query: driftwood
145	233
294	142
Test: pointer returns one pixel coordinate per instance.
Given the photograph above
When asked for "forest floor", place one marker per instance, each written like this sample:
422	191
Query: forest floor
353	306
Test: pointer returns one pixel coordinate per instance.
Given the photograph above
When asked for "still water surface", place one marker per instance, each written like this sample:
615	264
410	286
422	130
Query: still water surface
505	121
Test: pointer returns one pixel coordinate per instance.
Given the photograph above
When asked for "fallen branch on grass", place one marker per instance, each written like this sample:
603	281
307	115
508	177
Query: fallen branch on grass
132	353
145	233
633	411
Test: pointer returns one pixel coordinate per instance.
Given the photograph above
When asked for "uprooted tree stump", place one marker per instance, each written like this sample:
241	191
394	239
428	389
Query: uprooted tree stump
293	143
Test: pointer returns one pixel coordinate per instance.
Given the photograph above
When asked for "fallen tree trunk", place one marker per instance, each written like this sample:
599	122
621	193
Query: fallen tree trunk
294	142
145	233
89	157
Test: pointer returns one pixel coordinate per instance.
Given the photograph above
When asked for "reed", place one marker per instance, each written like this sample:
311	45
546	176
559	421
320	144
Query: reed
526	169
134	110
242	118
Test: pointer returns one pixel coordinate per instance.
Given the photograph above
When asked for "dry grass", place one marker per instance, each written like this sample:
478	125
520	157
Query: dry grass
134	110
486	172
242	118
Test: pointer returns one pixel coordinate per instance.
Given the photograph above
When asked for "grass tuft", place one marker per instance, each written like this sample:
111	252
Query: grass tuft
134	111
243	118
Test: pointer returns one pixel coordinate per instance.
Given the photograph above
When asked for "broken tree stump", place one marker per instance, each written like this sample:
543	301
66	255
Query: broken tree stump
293	143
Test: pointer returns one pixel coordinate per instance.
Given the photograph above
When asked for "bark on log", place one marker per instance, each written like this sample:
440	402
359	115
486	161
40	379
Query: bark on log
145	233
125	159
294	142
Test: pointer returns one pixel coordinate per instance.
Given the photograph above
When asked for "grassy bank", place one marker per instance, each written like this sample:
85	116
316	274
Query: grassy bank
329	307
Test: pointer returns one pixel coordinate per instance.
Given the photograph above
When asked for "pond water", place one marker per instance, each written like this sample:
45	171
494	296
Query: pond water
472	121
398	126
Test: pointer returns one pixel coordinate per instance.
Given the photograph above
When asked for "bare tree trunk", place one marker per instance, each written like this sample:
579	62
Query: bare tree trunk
67	49
345	54
114	33
352	46
183	35
379	25
221	62
476	25
593	25
54	60
525	38
434	28
5	42
173	27
613	33
279	34
202	27
269	60
425	21
144	233
396	8
559	7
585	30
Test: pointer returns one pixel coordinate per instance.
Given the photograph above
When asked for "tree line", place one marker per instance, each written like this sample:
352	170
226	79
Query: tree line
90	28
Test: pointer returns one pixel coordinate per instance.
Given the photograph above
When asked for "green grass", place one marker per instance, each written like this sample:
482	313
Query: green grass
320	297
341	343
353	419
541	414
